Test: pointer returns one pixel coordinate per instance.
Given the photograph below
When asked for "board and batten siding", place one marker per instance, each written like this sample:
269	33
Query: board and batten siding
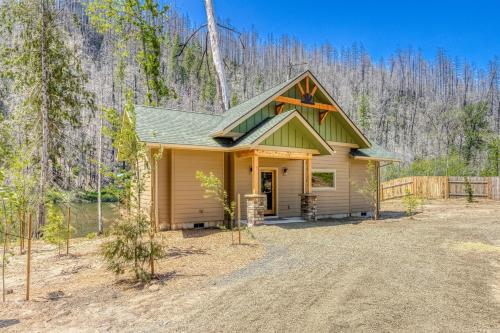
334	201
359	174
189	204
289	185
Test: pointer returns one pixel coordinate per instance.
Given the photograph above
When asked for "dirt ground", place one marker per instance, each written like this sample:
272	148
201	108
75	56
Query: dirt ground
437	271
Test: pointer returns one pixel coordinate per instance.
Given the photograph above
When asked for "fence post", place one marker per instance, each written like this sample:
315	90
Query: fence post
488	188
239	219
28	260
447	187
69	230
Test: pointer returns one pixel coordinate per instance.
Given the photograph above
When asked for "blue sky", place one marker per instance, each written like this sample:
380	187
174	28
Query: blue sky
465	29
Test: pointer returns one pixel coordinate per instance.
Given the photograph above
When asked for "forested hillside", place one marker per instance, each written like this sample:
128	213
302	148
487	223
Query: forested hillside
440	108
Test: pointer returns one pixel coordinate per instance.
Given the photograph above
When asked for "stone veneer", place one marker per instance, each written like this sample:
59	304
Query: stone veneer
309	206
255	209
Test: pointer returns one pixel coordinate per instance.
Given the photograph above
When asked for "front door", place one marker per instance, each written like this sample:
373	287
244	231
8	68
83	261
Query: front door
268	188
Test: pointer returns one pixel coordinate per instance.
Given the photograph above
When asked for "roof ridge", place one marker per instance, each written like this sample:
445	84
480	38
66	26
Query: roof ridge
162	108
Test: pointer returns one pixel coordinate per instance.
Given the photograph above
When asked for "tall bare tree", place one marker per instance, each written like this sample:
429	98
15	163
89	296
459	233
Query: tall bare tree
216	55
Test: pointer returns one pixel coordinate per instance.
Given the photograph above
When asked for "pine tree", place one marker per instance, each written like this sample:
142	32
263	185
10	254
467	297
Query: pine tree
47	77
363	112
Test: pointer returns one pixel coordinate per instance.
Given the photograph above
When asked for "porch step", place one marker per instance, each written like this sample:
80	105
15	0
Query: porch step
282	220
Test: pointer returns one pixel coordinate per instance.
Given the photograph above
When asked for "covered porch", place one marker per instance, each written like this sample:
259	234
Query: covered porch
274	184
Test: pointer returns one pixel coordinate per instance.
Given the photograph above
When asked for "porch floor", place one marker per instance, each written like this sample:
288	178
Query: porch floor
271	220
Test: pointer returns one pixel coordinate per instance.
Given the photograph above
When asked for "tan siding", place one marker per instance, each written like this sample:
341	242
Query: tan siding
359	173
333	202
289	186
163	187
190	206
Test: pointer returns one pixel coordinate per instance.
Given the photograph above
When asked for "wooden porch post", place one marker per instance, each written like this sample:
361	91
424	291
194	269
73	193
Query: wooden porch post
255	173
309	174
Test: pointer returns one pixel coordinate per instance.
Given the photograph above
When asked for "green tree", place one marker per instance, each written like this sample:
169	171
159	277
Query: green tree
47	78
474	125
133	243
55	231
142	22
214	188
469	192
363	112
492	167
410	202
369	188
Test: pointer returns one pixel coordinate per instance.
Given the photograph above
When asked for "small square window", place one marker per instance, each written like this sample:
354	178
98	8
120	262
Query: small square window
323	179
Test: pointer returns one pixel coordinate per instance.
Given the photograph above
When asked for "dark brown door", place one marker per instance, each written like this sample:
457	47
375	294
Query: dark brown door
268	188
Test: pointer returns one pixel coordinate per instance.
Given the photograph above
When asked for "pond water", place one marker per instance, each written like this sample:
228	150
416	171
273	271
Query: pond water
84	217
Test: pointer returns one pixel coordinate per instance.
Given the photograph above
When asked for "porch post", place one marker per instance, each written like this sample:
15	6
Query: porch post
255	173
308	200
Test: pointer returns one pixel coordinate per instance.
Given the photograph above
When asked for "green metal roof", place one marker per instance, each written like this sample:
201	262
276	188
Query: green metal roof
376	152
240	110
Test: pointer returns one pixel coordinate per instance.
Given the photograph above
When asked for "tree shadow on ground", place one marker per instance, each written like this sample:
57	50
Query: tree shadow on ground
8	322
177	252
195	233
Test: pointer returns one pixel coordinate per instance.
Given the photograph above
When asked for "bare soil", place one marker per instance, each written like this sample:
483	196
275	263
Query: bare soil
436	271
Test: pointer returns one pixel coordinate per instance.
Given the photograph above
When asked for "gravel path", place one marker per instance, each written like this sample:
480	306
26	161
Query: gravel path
436	272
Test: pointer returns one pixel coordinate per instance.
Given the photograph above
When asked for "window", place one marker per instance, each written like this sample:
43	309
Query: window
324	179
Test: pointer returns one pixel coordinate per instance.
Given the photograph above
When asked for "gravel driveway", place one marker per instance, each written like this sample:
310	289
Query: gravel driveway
439	271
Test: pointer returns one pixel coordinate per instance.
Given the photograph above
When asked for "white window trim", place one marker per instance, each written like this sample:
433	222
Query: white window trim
325	189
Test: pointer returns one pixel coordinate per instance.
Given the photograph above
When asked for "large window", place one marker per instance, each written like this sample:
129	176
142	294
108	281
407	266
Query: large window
324	179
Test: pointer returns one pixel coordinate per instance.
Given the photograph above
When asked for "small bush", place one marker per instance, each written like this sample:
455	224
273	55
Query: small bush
55	231
410	202
91	235
468	190
132	248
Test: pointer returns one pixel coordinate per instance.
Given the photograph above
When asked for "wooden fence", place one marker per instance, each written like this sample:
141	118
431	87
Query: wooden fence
435	187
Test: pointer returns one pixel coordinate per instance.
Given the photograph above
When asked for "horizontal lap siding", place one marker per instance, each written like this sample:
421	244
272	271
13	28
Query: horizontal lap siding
289	186
188	194
359	174
336	201
145	195
163	187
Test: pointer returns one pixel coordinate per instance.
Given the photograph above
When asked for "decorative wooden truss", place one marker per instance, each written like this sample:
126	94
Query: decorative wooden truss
306	100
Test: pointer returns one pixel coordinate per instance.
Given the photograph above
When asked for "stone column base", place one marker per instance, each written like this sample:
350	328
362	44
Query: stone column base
308	206
255	209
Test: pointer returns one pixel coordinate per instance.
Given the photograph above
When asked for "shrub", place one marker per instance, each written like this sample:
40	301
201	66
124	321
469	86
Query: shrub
468	190
132	247
55	231
410	202
91	235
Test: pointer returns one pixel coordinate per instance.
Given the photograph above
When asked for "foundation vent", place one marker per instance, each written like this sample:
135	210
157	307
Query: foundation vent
199	225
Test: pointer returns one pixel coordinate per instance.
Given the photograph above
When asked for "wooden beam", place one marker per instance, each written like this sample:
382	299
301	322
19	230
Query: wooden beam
293	101
274	154
307	84
314	90
322	116
309	175
255	173
279	108
300	89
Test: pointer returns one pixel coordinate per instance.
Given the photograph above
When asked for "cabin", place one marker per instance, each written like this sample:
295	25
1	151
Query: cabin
289	153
